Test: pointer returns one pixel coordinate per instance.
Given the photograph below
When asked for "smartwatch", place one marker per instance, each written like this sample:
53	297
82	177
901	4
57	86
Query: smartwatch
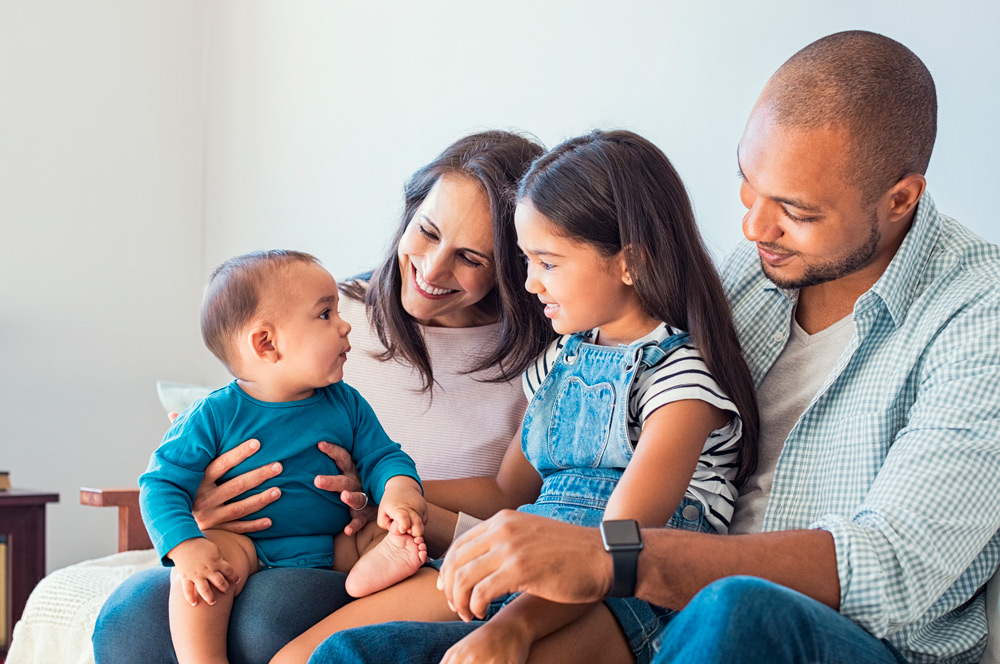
623	541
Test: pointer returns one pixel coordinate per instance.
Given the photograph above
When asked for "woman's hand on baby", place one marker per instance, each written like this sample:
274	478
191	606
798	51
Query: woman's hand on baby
210	509
348	483
198	567
403	507
489	645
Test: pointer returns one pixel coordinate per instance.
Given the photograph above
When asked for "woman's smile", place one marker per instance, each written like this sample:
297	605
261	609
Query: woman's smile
426	289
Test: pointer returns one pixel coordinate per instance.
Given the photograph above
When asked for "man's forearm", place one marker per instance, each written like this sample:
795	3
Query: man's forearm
567	563
676	564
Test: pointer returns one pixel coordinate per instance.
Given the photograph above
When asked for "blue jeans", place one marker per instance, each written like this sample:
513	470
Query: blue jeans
735	620
392	643
749	620
276	605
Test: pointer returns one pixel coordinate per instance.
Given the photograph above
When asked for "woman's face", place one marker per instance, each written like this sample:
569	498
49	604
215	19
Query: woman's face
446	256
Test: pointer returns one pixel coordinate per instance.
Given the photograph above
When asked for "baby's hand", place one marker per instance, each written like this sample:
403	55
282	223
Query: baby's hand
199	565
403	507
488	645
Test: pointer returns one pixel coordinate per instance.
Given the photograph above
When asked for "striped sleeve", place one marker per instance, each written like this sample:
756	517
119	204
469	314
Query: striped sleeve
679	376
534	375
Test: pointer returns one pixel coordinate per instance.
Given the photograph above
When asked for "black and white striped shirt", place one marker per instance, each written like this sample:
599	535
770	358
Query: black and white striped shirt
679	376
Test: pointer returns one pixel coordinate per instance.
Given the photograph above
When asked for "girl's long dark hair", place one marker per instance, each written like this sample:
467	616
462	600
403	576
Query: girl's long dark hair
496	160
617	191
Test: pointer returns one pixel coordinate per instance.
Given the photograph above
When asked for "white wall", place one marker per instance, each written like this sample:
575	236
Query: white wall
101	197
319	111
141	143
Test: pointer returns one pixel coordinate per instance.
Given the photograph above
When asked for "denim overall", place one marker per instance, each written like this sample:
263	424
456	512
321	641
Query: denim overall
575	434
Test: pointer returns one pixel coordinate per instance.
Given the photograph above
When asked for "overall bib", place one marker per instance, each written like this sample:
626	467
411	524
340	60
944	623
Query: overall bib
575	434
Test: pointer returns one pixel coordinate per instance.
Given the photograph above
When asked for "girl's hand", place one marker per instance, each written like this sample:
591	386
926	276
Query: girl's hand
348	484
198	567
489	646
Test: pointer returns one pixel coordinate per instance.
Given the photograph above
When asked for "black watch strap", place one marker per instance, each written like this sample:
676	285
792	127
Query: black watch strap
622	539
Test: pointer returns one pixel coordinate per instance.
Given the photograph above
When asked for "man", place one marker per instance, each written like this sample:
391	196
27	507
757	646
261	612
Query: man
870	324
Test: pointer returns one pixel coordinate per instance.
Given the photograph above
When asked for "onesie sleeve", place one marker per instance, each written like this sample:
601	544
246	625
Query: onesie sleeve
376	456
176	468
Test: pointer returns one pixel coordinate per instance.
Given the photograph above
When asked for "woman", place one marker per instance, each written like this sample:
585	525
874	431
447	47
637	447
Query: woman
442	327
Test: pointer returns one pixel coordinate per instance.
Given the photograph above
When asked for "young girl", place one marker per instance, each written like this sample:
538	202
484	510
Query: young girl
643	409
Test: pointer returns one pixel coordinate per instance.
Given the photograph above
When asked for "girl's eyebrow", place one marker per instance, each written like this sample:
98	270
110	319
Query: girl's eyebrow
542	252
424	217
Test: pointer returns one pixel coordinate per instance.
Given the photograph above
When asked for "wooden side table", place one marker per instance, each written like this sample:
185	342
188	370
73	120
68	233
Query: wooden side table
22	520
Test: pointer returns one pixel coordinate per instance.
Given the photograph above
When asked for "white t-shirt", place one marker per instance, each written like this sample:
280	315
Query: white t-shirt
789	386
679	376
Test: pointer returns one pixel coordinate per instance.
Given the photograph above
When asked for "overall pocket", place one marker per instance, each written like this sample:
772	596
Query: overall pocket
580	424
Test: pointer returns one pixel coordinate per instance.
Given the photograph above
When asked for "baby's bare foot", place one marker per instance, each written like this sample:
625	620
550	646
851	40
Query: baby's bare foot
393	559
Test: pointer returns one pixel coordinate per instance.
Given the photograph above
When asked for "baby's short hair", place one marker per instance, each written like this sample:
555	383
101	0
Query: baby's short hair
235	295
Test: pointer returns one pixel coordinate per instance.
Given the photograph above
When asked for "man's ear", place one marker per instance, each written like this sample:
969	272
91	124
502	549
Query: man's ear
904	195
263	346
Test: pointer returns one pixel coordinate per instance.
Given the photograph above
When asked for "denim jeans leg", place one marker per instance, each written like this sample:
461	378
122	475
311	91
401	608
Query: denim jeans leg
392	643
276	605
133	623
749	620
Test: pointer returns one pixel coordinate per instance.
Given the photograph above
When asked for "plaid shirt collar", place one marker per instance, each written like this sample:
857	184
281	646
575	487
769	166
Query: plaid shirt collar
897	286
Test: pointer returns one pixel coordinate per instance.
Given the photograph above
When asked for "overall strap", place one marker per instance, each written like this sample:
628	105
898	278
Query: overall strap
572	345
651	353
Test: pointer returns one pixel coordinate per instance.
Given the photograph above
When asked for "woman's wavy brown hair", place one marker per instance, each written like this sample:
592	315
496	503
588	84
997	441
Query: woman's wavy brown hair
496	160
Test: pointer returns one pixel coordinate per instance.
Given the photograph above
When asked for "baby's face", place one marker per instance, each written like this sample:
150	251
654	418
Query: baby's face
311	336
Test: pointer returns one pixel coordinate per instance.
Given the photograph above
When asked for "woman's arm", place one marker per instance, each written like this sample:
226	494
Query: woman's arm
516	483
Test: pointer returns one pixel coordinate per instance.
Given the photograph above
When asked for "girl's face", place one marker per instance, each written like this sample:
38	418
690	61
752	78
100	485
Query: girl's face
580	288
446	256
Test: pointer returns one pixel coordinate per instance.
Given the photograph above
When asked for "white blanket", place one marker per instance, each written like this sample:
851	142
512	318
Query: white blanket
59	617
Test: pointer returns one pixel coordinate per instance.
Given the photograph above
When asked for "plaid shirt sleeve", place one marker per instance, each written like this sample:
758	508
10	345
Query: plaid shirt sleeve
934	503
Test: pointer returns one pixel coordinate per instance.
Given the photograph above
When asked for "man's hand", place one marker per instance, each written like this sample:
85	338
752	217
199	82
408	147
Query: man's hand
513	552
349	486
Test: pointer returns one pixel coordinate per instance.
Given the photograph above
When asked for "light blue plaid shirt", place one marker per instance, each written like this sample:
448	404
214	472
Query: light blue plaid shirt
898	454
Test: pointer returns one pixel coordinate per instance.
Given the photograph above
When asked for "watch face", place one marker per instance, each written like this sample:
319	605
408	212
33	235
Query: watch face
621	533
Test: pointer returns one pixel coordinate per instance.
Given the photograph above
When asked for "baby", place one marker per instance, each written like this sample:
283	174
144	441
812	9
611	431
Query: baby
271	317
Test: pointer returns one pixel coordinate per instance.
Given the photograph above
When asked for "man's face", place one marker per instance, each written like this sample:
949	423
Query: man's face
811	225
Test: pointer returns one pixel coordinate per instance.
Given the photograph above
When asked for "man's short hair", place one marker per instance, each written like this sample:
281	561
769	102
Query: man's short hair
870	85
235	296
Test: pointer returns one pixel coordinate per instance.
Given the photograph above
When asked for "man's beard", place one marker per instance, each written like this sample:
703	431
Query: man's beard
861	256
